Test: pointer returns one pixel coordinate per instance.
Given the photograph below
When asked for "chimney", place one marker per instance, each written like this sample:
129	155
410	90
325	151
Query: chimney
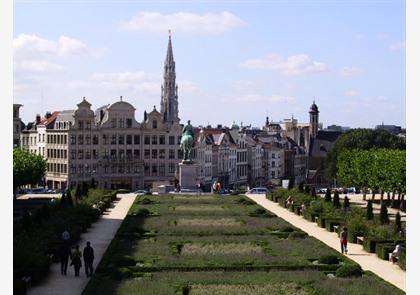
38	119
48	115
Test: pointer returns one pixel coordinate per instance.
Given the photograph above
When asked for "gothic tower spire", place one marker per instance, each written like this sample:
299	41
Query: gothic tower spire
169	96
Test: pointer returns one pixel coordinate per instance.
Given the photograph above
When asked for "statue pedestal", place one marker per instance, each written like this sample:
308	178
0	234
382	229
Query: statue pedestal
188	176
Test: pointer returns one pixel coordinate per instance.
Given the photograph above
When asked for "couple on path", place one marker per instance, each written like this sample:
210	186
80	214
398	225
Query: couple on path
76	258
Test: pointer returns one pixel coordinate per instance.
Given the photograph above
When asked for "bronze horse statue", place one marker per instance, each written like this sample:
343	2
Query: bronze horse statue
187	142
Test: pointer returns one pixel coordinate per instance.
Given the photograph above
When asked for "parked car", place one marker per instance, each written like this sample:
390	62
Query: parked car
258	190
225	191
140	192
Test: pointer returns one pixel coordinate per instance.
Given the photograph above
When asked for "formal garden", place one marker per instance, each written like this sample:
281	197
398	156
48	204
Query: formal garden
221	244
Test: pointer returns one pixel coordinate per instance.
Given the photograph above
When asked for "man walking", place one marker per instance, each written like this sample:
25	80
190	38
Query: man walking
64	253
88	257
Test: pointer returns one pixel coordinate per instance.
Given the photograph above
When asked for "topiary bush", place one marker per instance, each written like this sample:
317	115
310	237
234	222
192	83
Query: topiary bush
298	235
125	260
146	201
349	271
328	259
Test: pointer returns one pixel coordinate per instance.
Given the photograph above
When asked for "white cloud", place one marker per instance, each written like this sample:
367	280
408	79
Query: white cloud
348	71
250	84
37	66
182	22
397	46
294	65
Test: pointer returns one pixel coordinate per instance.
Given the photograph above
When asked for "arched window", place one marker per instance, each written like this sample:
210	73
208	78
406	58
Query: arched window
154	124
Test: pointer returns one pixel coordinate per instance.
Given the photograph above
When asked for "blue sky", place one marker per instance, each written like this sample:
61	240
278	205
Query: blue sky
236	61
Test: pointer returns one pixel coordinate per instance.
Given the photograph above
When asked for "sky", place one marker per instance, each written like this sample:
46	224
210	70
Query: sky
236	61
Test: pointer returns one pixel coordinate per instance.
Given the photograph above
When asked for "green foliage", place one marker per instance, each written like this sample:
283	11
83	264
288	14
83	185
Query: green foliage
348	271
327	197
146	201
346	202
383	214
397	223
363	139
122	273
328	259
336	200
28	168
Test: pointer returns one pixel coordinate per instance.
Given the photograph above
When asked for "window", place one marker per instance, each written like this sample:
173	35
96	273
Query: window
105	153
146	168
80	154
154	154
73	154
121	139
72	169
88	139
95	154
104	139
80	139
113	139
147	139
154	169
161	169
147	154
180	154
129	139
154	139
113	123
136	139
73	139
88	124
154	124
113	154
171	140
80	168
88	154
120	123
129	123
171	168
95	139
161	154
171	154
80	125
161	139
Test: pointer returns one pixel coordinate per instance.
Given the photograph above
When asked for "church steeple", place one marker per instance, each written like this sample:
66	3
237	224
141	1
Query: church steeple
313	120
169	96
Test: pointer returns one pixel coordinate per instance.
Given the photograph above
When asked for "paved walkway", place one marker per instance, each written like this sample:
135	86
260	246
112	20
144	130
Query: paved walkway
103	231
368	261
100	235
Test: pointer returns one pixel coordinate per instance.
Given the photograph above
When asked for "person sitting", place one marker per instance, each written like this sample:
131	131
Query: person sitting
302	208
395	255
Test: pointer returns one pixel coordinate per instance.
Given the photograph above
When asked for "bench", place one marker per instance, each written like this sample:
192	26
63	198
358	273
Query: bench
393	259
359	240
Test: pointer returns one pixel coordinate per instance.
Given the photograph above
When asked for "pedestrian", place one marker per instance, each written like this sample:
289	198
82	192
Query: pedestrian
343	240
88	256
76	260
64	254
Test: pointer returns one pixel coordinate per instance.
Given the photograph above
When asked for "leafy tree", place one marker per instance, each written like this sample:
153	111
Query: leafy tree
78	192
369	210
85	189
69	198
398	225
28	168
363	139
291	183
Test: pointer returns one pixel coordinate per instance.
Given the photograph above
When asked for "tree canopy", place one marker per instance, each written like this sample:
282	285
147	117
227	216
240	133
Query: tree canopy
362	139
28	168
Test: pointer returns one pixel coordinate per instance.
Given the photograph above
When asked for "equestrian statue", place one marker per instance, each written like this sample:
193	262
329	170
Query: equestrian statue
187	142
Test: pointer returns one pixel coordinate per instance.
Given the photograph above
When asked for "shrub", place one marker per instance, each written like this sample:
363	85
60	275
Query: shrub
125	260
122	273
287	228
298	235
349	271
143	212
328	259
260	211
146	201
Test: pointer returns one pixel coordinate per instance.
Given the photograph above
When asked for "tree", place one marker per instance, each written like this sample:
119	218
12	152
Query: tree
28	168
383	215
92	183
336	200
363	139
327	197
398	225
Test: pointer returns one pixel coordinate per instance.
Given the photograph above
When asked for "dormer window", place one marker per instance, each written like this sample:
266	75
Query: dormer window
154	124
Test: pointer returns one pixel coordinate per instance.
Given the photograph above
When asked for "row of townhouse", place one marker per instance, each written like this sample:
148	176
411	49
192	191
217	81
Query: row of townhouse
109	146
